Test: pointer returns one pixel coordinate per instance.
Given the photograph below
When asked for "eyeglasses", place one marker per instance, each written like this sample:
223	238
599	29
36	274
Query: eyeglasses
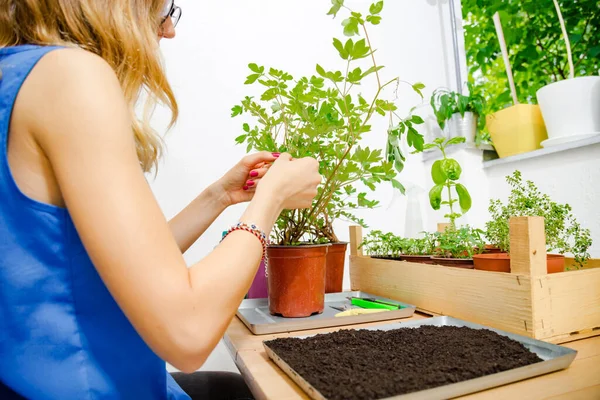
172	11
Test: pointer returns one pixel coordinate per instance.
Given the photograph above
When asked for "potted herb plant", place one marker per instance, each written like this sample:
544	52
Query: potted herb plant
570	107
391	247
324	117
457	246
563	233
463	114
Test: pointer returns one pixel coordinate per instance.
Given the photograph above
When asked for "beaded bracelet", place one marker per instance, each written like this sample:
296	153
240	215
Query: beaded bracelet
260	235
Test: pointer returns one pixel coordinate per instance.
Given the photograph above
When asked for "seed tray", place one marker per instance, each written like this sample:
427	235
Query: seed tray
554	358
255	314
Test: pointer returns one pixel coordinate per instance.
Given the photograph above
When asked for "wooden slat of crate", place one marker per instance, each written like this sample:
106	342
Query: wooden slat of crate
493	299
571	304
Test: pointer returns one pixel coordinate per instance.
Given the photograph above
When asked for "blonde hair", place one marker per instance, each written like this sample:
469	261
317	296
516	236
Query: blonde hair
123	32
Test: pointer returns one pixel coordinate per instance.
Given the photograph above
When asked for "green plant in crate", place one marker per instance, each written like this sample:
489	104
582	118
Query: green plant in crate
420	246
460	242
446	103
378	244
445	174
325	117
563	232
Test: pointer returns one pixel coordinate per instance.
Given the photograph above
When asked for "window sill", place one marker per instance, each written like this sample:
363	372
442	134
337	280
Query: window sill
542	152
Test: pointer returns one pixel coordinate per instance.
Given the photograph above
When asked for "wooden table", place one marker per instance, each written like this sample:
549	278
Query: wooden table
580	381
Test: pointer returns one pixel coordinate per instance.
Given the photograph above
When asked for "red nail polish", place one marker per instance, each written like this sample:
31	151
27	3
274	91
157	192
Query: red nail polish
245	187
250	183
276	154
254	174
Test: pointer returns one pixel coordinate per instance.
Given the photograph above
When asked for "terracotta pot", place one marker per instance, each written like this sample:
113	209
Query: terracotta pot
556	263
297	280
497	262
491	249
417	259
453	262
500	262
336	259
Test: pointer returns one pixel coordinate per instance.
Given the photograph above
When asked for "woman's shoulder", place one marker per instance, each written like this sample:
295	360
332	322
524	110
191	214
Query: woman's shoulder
67	64
65	80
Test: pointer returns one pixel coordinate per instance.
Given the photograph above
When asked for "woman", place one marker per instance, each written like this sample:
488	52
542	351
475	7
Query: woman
95	294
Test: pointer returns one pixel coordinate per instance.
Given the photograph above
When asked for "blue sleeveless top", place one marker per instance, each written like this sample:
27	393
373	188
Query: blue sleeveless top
62	335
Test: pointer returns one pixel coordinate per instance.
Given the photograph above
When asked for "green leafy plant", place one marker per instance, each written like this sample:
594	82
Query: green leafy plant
445	174
536	47
325	116
563	233
380	244
446	103
460	242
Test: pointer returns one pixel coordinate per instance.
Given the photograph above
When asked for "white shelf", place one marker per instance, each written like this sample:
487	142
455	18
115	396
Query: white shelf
543	152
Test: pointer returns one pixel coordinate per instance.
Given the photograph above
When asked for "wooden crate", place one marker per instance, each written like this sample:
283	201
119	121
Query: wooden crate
556	308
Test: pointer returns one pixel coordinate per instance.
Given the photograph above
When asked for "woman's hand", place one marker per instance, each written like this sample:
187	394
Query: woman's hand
293	182
239	184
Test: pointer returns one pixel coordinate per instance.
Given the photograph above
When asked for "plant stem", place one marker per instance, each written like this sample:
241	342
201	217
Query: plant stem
372	54
566	37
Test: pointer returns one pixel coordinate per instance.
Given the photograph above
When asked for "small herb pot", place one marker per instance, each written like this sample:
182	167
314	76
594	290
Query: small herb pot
500	262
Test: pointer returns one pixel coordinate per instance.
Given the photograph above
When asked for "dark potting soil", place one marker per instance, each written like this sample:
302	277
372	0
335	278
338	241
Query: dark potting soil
361	364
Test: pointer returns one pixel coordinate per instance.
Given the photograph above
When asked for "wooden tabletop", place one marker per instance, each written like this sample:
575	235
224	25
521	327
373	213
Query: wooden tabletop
580	381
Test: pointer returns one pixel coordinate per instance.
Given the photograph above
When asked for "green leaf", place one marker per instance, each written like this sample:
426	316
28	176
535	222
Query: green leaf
376	8
372	70
435	196
437	173
251	79
340	48
246	128
349	46
399	165
236	110
355	76
255	68
429	146
240	139
336	6
451	168
463	102
455	140
418	87
417	120
321	71
399	186
415	139
374	19
269	94
464	198
360	50
350	26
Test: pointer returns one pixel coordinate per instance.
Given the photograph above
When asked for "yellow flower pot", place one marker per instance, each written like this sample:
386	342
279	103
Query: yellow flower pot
517	129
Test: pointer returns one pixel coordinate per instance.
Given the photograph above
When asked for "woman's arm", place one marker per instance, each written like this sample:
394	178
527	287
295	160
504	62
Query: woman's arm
74	107
192	221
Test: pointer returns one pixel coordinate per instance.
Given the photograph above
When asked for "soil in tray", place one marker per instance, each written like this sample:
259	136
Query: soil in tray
361	364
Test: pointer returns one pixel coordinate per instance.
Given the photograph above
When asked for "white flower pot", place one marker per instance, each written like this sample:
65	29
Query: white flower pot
571	108
460	126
